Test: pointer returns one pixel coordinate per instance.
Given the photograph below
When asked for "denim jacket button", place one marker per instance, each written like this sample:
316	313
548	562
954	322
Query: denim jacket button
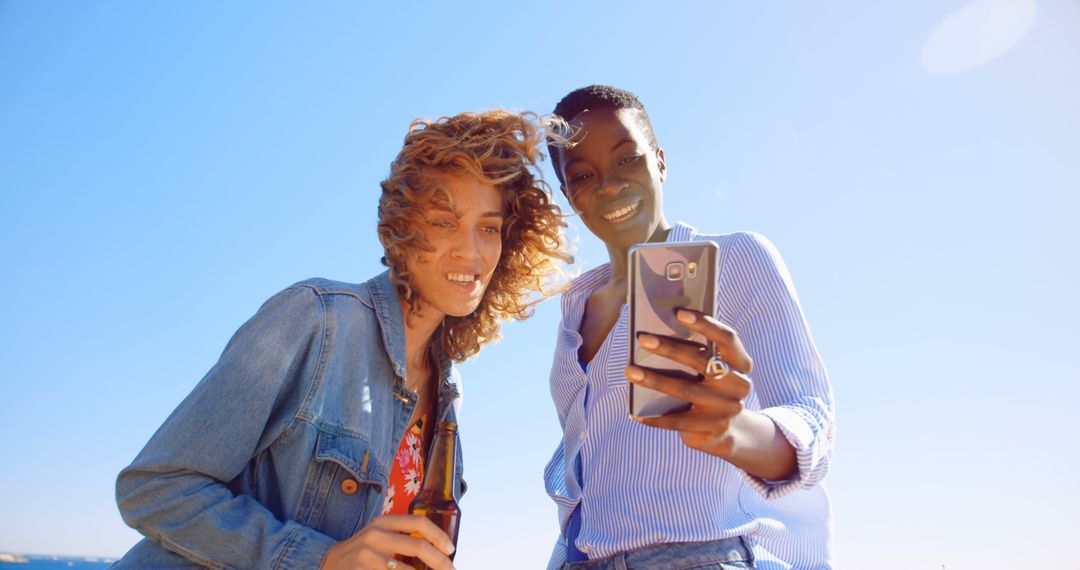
348	486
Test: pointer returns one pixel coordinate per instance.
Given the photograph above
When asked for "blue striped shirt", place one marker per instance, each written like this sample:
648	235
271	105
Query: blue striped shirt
638	486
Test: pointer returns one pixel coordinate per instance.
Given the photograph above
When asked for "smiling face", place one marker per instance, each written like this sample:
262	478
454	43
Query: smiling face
463	227
614	179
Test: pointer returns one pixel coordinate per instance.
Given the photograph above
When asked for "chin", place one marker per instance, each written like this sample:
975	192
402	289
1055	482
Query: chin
462	311
629	234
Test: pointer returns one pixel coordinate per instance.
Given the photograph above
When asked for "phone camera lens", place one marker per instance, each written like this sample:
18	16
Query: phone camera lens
675	271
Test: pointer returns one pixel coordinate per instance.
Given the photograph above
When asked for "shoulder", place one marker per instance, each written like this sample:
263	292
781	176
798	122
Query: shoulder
745	240
329	291
754	251
326	287
314	299
743	248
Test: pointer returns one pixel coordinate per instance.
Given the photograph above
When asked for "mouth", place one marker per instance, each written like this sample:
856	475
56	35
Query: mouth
623	213
466	281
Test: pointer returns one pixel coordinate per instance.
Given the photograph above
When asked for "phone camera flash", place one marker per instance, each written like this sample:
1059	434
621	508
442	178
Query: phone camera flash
691	270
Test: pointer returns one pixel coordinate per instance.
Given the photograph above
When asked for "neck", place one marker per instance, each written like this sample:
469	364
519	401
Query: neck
617	252
419	327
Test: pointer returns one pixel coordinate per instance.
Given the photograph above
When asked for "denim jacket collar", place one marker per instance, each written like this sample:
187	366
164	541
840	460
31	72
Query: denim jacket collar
384	297
391	315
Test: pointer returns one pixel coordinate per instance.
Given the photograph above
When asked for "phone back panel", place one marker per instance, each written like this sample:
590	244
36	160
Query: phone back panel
665	277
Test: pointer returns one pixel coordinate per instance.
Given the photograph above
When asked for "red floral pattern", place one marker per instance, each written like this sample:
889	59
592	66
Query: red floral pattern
407	470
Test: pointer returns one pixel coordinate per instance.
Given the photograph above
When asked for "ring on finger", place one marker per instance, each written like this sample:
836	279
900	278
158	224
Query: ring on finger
391	563
716	368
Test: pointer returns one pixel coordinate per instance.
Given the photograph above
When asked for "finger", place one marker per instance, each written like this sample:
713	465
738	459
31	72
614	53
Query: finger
709	393
692	421
420	525
422	549
724	338
686	352
383	544
379	542
372	560
734	383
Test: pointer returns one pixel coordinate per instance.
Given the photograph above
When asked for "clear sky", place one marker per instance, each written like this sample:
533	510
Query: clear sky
167	166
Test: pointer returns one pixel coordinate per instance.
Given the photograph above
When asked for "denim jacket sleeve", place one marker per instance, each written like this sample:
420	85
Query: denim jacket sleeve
176	493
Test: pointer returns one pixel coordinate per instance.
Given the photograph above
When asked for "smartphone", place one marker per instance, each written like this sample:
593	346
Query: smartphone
665	277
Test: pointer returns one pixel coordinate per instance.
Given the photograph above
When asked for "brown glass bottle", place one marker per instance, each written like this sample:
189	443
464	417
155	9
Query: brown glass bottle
436	499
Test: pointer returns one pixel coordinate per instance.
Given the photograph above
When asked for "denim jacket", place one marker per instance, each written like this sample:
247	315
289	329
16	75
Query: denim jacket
256	467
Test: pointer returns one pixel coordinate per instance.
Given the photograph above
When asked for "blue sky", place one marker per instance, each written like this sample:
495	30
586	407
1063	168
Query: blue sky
165	167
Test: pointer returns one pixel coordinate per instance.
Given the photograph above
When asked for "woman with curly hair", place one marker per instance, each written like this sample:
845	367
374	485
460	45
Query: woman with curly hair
303	445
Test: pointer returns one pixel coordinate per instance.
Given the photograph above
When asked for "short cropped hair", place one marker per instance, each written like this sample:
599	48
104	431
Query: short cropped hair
591	98
500	148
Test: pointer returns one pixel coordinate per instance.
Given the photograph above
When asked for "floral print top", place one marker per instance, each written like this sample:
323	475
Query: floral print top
407	472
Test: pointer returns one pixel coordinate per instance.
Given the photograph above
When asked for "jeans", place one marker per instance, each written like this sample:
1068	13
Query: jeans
723	554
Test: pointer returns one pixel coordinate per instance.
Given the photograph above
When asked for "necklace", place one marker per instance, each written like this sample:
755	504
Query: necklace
414	382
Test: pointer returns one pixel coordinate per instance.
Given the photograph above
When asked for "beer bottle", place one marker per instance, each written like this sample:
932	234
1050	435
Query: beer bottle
436	499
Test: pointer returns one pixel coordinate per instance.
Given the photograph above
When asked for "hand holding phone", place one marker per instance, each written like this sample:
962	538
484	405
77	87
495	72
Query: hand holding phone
665	277
674	381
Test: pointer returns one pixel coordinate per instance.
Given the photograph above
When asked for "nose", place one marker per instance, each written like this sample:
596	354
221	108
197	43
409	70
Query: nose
611	185
466	245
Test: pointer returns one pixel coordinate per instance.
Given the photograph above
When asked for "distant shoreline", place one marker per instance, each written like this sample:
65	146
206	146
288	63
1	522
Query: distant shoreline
49	561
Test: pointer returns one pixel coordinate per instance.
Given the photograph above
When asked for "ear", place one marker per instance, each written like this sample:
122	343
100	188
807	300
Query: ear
660	164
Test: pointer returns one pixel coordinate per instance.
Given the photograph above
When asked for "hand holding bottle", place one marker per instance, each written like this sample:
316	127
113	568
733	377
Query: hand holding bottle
436	500
378	544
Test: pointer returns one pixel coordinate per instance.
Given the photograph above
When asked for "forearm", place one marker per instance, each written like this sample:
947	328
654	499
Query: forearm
790	380
202	520
176	491
760	448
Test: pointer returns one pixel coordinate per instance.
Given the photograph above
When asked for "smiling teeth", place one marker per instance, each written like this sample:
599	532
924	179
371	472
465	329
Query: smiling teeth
461	277
622	212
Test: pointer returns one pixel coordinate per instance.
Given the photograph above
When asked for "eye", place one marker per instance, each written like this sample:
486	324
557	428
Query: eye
441	223
629	159
580	177
492	229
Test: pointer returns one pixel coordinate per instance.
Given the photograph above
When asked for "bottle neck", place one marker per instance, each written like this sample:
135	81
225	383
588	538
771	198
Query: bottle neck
439	477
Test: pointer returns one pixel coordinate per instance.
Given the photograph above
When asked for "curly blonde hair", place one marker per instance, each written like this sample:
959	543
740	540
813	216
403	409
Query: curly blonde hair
500	148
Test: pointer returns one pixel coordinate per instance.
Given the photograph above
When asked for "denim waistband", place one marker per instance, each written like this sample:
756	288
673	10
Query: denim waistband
674	555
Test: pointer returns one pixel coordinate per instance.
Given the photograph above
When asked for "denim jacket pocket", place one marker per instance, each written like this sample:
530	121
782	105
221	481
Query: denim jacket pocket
344	488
